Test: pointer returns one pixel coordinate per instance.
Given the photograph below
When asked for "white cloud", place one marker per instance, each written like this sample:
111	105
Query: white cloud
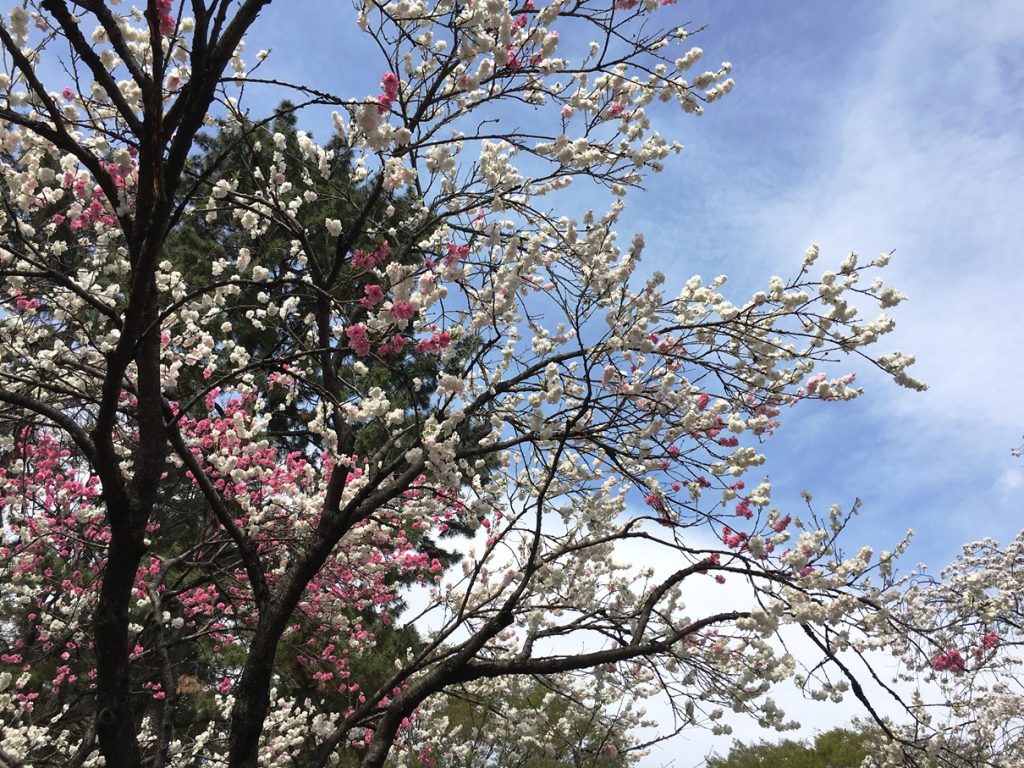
703	598
927	160
926	156
1011	480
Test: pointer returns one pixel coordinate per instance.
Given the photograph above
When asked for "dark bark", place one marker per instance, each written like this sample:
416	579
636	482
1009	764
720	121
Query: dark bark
115	720
252	696
163	146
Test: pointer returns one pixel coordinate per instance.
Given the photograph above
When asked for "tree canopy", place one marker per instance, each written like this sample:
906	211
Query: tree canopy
257	389
836	748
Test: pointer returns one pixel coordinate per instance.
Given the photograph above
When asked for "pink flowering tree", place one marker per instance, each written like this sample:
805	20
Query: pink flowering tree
187	582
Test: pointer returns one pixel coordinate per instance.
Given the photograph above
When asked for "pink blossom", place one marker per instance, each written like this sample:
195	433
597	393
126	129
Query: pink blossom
164	16
368	261
357	339
949	660
513	59
435	343
374	296
455	253
814	381
743	509
402	310
397	344
731	538
390	85
24	304
362	260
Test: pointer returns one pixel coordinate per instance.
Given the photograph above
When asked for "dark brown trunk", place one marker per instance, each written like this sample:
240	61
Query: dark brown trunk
116	728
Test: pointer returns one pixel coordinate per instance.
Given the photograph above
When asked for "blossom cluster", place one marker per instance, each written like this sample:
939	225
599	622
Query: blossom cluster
241	460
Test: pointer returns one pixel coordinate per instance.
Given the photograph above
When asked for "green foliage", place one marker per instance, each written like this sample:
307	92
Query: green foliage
837	748
196	241
236	156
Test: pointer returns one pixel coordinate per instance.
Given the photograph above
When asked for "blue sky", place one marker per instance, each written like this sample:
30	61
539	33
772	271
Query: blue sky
871	127
864	125
867	126
876	126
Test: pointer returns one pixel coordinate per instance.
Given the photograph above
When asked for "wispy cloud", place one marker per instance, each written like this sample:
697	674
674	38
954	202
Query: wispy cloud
928	158
917	145
1011	479
871	127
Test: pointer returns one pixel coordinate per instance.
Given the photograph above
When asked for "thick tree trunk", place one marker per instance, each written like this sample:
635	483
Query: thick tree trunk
252	700
116	728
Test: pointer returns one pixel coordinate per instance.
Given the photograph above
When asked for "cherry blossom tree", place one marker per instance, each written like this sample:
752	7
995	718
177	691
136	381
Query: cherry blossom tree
970	660
191	577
